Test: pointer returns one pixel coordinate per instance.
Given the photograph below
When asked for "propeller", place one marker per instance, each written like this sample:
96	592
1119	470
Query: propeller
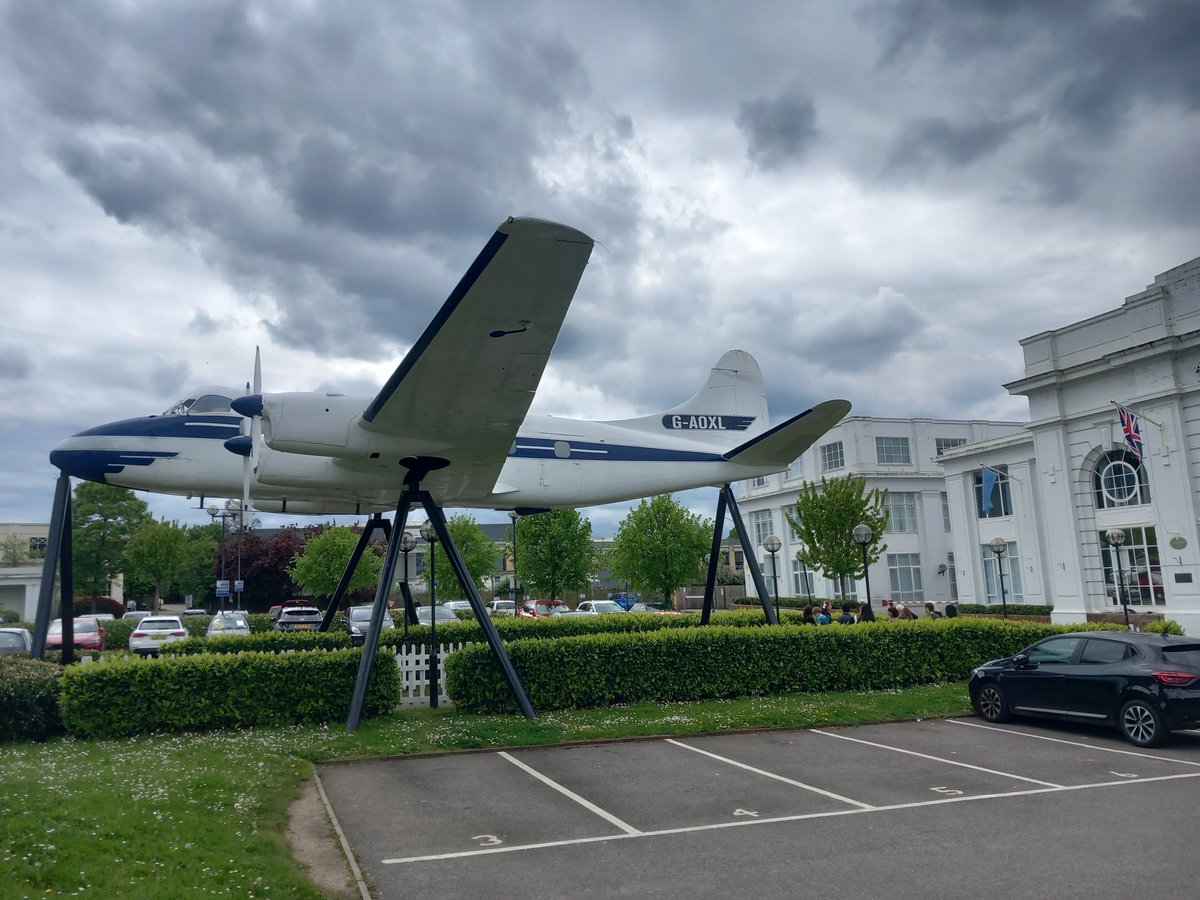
246	445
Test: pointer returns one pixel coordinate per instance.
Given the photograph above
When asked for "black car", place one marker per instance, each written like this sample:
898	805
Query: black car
357	620
1144	684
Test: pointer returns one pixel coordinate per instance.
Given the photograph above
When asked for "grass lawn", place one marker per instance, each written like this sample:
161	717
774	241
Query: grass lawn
204	815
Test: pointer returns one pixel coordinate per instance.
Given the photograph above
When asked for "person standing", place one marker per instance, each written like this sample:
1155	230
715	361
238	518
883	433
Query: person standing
847	617
931	610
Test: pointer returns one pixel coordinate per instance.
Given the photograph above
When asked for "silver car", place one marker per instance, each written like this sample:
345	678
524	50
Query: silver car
228	623
358	621
15	640
443	615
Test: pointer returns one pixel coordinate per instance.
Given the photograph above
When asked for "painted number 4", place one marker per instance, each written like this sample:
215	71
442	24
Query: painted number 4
949	792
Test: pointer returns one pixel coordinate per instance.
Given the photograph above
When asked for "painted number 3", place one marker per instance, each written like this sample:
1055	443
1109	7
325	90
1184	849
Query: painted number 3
487	840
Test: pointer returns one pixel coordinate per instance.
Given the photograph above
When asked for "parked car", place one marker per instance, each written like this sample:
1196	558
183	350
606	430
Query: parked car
153	632
600	606
502	608
643	607
537	609
299	618
357	620
424	616
456	605
275	610
88	633
1146	685
228	623
625	598
194	612
15	640
136	615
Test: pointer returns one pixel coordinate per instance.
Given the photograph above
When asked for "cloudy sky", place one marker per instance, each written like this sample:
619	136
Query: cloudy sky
878	200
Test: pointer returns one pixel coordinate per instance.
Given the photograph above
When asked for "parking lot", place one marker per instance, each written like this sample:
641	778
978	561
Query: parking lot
940	808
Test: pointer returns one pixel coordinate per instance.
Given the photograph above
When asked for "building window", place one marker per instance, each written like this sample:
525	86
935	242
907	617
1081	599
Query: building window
802	579
892	451
832	456
946	511
941	445
1140	569
904	569
760	481
1119	480
795	469
761	525
999	498
37	547
902	512
1009	569
953	577
790	527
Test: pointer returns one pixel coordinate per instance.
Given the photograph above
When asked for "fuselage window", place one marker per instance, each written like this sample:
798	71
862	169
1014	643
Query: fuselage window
180	408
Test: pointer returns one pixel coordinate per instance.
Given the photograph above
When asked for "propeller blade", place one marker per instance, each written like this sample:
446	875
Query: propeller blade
255	426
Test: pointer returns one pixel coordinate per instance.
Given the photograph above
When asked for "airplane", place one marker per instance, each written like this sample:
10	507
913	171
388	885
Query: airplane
453	417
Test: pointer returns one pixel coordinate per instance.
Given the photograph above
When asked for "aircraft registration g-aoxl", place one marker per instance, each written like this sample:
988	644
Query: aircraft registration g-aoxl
453	417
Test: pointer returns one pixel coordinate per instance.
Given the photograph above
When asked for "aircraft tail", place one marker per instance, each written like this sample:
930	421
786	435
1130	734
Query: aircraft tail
729	409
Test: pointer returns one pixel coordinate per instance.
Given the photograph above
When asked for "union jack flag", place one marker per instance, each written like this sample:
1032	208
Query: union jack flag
1133	431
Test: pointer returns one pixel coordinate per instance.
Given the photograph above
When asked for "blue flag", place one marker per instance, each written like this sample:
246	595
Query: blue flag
990	477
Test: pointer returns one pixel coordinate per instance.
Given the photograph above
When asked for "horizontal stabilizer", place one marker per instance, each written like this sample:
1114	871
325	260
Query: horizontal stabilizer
779	446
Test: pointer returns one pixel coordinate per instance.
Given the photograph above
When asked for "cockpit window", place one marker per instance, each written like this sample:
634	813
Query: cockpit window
180	408
211	403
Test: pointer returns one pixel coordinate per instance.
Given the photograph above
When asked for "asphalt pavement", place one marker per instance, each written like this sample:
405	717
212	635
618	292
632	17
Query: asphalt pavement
949	808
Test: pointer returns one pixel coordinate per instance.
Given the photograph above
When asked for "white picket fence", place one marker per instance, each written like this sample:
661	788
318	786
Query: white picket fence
413	663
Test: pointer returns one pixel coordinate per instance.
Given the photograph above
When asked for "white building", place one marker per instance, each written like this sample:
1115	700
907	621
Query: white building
901	455
1071	478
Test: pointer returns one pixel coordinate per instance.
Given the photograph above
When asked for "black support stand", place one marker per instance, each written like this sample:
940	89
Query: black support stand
58	548
727	500
414	496
364	540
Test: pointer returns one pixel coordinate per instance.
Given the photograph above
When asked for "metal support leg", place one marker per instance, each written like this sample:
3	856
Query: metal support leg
66	567
59	516
714	558
760	584
364	540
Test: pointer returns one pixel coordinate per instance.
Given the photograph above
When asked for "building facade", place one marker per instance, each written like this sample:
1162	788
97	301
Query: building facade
1056	492
903	456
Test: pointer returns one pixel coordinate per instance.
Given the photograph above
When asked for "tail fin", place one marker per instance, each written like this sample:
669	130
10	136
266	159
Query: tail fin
730	409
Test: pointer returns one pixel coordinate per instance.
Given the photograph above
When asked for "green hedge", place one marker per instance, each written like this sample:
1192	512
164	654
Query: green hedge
29	690
119	698
268	641
1014	609
699	663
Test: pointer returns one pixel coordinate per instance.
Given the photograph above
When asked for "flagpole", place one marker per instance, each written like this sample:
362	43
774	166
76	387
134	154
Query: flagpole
1158	425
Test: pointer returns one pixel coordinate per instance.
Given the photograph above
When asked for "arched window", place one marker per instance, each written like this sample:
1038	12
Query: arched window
1119	480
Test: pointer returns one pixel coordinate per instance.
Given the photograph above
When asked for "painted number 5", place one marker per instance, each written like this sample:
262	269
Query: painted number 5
949	792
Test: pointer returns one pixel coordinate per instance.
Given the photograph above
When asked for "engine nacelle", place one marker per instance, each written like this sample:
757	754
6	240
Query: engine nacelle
317	473
310	423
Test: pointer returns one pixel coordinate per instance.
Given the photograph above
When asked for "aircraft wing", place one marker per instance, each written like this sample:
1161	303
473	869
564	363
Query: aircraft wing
466	385
782	444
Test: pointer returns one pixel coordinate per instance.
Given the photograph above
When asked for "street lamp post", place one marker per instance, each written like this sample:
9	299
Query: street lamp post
772	544
999	545
512	514
408	544
1115	538
429	533
223	585
863	535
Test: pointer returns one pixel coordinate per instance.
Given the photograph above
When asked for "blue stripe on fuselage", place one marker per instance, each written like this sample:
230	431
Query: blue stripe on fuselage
94	465
543	448
210	427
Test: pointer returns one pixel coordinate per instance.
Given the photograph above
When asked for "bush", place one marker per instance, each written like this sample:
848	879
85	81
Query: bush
1163	626
1014	609
698	663
267	641
9	616
29	690
117	698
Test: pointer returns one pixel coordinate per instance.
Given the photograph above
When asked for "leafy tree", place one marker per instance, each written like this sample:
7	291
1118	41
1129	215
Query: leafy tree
556	553
477	550
14	551
825	518
322	560
199	562
157	551
266	562
103	519
660	546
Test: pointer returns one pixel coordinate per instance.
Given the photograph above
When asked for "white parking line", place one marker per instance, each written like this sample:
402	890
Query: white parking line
745	823
949	762
799	784
1042	737
566	792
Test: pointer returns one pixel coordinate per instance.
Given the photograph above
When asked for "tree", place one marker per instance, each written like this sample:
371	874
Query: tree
556	553
660	547
824	522
103	519
321	561
266	563
14	551
477	550
157	551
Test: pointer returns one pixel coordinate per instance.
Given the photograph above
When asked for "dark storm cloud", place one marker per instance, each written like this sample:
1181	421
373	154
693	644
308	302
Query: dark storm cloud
324	157
935	141
778	130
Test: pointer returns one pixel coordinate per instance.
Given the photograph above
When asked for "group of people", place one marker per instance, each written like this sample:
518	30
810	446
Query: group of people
823	614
